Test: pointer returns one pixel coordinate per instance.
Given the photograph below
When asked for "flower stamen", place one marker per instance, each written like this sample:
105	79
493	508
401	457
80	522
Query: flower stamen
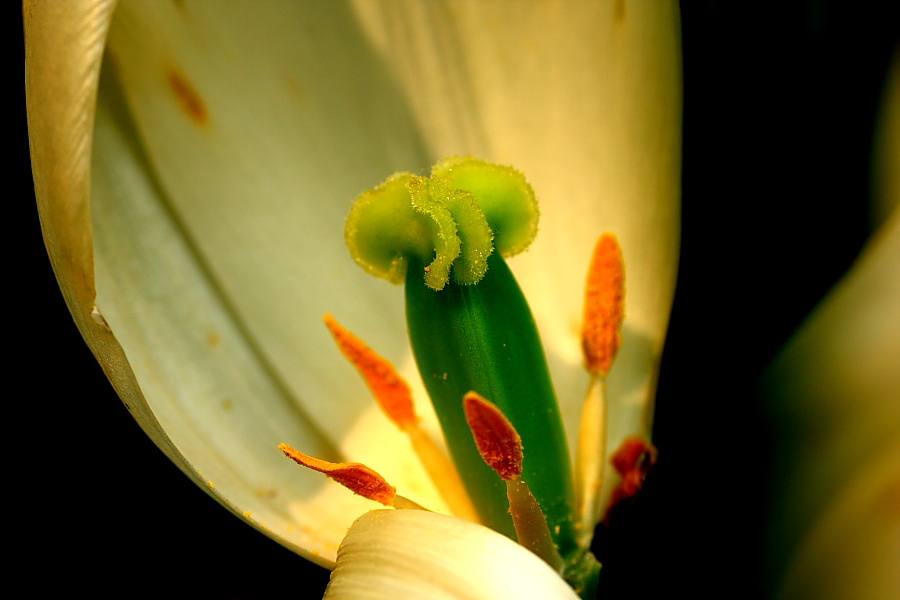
632	460
393	395
356	477
604	306
601	337
390	389
500	446
498	441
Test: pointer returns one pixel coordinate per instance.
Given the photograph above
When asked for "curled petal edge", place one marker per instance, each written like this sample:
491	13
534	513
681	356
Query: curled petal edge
399	554
64	46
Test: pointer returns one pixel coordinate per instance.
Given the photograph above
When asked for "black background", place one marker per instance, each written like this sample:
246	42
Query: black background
780	101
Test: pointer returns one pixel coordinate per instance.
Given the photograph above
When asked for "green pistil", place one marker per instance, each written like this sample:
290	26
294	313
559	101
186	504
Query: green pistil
469	324
483	338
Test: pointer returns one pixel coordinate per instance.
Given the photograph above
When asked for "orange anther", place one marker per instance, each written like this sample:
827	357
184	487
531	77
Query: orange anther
497	440
604	306
356	477
390	390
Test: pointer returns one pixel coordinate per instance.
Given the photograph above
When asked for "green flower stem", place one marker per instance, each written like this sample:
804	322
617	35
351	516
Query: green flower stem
483	338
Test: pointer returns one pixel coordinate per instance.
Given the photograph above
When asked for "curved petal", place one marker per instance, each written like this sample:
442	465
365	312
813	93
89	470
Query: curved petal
64	46
835	531
836	526
399	554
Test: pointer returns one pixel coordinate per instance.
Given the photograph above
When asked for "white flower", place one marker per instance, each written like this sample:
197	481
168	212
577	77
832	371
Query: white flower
193	215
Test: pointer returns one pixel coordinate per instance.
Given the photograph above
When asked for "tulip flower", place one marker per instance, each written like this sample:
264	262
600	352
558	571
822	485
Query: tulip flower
194	163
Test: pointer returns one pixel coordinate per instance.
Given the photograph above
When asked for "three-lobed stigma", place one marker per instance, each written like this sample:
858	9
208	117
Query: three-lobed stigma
451	221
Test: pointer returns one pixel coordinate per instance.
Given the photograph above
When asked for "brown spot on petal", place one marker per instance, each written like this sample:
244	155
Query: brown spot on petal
188	97
620	11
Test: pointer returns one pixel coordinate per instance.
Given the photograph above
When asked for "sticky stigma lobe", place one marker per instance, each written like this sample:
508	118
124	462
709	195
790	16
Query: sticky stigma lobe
604	306
450	219
498	441
356	477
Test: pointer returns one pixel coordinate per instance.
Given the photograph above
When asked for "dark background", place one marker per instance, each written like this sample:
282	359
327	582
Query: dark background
779	110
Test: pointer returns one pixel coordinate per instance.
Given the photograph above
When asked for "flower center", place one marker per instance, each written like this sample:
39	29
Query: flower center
478	352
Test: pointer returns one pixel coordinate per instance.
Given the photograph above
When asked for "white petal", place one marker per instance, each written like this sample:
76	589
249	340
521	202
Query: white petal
244	187
268	153
216	399
400	554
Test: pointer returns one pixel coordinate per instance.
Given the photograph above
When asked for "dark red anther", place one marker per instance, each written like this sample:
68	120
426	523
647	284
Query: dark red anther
632	460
